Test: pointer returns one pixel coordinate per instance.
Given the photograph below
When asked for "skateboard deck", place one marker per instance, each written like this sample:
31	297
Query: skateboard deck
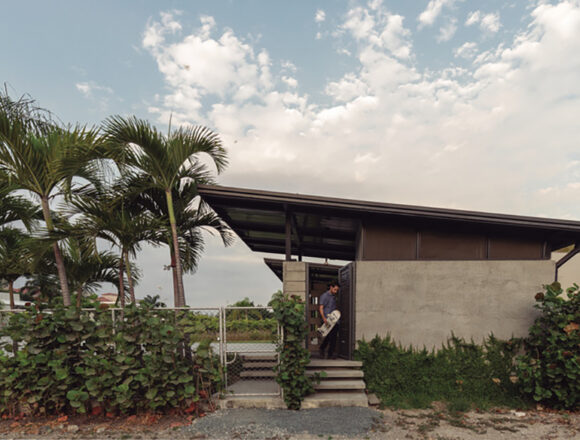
331	321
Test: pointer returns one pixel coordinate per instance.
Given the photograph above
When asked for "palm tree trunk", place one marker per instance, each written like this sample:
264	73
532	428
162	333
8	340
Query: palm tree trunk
12	307
11	293
174	275
129	277
121	283
57	254
79	296
179	292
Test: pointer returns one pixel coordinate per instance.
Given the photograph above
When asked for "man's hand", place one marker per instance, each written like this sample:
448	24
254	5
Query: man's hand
321	311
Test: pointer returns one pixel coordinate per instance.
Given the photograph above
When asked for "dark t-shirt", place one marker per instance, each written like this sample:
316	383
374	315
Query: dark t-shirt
328	300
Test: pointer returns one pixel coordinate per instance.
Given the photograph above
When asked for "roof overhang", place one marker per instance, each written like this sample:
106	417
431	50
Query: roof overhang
321	272
327	227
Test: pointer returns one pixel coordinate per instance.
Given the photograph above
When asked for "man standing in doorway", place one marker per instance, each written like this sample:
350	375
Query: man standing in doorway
327	306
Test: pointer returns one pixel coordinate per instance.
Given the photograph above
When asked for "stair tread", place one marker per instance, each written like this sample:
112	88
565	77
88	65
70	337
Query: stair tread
340	385
339	399
259	357
258	373
258	364
337	372
334	363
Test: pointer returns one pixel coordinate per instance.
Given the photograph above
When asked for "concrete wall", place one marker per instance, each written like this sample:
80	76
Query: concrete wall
569	273
295	278
422	302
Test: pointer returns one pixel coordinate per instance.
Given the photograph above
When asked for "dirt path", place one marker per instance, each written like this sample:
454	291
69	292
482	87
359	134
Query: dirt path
326	423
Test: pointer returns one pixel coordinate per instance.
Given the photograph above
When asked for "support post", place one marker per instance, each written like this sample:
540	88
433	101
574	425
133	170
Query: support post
288	236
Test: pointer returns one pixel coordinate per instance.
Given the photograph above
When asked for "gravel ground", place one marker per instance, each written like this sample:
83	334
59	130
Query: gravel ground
313	424
280	424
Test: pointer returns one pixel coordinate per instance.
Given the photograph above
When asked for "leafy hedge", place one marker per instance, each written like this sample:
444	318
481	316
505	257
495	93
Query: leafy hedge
550	370
68	362
290	313
461	373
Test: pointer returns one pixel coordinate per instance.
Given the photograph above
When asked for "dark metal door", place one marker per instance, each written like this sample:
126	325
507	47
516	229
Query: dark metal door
346	306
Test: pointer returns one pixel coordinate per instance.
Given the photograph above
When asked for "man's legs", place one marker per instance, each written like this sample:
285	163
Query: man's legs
323	346
331	341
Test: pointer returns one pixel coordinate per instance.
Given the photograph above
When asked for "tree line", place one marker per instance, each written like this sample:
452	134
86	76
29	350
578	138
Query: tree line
65	189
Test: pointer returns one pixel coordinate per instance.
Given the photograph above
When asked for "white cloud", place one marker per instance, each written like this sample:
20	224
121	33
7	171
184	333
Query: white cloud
490	22
467	50
487	22
290	81
432	11
489	136
448	31
473	18
380	29
98	94
320	16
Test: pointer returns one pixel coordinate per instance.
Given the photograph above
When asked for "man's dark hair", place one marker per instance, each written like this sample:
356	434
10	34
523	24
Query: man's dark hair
333	283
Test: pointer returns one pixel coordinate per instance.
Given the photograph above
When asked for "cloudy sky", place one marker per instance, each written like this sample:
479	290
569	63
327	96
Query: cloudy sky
450	103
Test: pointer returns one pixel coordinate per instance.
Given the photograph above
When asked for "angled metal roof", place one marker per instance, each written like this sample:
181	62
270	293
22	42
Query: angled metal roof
326	227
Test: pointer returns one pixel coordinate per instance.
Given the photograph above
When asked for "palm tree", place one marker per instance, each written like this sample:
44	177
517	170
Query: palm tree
153	301
43	159
15	258
15	208
87	268
165	163
108	217
192	216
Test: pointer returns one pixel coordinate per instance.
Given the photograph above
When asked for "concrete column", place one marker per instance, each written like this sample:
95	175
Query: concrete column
295	278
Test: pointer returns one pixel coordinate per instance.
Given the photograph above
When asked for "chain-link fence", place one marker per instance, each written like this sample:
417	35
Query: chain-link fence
249	351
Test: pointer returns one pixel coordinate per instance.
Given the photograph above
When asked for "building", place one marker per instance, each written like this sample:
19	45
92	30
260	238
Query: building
417	273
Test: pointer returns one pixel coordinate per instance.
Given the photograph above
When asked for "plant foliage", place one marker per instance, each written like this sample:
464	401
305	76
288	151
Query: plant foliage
70	362
289	311
550	369
460	373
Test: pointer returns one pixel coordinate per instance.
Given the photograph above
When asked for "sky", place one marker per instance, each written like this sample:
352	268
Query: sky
447	103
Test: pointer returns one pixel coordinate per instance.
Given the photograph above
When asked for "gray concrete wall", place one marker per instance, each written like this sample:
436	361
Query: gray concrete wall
422	302
569	273
295	278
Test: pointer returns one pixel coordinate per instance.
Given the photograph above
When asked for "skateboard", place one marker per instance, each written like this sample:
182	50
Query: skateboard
331	320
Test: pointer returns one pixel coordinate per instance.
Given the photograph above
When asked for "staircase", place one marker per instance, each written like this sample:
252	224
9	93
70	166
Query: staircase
258	367
342	385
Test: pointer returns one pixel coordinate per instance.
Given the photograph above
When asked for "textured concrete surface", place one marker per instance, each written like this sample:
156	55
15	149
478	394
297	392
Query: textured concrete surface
294	274
422	302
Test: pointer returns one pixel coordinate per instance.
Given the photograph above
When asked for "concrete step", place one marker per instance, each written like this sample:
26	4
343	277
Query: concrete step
341	399
248	357
258	364
257	373
335	373
333	363
340	385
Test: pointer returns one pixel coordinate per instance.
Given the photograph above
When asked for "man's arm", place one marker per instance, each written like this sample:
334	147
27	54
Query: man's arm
321	310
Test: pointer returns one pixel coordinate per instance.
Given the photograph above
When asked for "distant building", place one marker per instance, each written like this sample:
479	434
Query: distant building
5	298
108	298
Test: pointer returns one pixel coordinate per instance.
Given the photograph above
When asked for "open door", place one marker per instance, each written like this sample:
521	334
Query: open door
318	277
346	275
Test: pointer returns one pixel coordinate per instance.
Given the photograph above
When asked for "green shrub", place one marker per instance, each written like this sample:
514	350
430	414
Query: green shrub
550	369
290	313
459	373
71	362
